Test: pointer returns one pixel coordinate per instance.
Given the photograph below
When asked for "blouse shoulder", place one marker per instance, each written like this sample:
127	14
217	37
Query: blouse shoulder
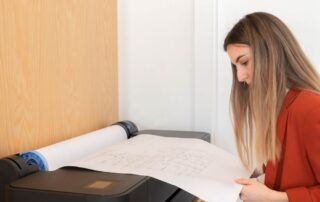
307	100
305	104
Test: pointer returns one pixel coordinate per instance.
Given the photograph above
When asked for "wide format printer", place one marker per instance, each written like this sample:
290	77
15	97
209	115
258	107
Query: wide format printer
22	180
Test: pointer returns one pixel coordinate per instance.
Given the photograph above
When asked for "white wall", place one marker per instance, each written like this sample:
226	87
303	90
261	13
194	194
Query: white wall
173	71
302	17
160	87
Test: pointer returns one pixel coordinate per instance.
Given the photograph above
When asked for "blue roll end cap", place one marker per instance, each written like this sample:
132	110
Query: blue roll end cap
35	158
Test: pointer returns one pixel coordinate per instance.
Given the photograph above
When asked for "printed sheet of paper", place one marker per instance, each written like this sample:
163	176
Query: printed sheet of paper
194	165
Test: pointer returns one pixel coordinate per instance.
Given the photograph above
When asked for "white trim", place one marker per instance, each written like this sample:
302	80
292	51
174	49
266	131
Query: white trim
205	65
215	72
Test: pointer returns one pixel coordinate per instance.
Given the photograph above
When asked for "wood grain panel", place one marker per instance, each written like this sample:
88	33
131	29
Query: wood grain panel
58	70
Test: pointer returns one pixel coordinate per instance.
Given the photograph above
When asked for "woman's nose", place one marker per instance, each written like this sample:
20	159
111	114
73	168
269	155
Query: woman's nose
242	75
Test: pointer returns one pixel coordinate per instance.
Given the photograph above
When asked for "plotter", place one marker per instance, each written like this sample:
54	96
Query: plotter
24	179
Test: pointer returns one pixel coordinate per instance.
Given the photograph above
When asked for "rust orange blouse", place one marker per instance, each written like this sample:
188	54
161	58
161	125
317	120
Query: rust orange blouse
298	129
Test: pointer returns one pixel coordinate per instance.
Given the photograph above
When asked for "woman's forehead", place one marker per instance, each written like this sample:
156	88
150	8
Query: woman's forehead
236	50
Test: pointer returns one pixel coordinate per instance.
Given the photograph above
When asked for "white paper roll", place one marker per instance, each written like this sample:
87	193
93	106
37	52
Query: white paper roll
60	154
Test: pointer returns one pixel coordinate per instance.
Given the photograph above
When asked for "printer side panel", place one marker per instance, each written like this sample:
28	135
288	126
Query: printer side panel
8	173
11	169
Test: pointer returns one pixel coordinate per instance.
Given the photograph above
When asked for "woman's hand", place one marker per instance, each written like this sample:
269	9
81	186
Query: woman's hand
256	191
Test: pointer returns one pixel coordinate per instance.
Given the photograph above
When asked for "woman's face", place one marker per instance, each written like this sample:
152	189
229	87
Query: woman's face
241	57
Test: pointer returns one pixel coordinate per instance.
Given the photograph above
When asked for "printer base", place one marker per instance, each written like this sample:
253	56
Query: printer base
70	184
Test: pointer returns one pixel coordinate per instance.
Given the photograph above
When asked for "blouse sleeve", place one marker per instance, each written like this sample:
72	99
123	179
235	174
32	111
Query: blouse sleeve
311	138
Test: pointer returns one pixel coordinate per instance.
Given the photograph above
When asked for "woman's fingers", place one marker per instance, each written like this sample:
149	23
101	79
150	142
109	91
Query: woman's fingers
243	181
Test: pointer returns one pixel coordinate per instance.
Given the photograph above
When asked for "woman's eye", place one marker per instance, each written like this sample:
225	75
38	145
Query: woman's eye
244	63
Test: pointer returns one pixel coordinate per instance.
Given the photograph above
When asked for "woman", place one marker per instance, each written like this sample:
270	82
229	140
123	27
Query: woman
275	103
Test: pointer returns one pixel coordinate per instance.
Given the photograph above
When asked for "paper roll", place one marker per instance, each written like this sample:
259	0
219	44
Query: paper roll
60	154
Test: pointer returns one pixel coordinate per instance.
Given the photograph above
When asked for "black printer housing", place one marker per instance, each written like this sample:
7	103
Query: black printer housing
20	182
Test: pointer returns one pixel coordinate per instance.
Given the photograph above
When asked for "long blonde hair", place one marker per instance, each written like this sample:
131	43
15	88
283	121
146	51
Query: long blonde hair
279	63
